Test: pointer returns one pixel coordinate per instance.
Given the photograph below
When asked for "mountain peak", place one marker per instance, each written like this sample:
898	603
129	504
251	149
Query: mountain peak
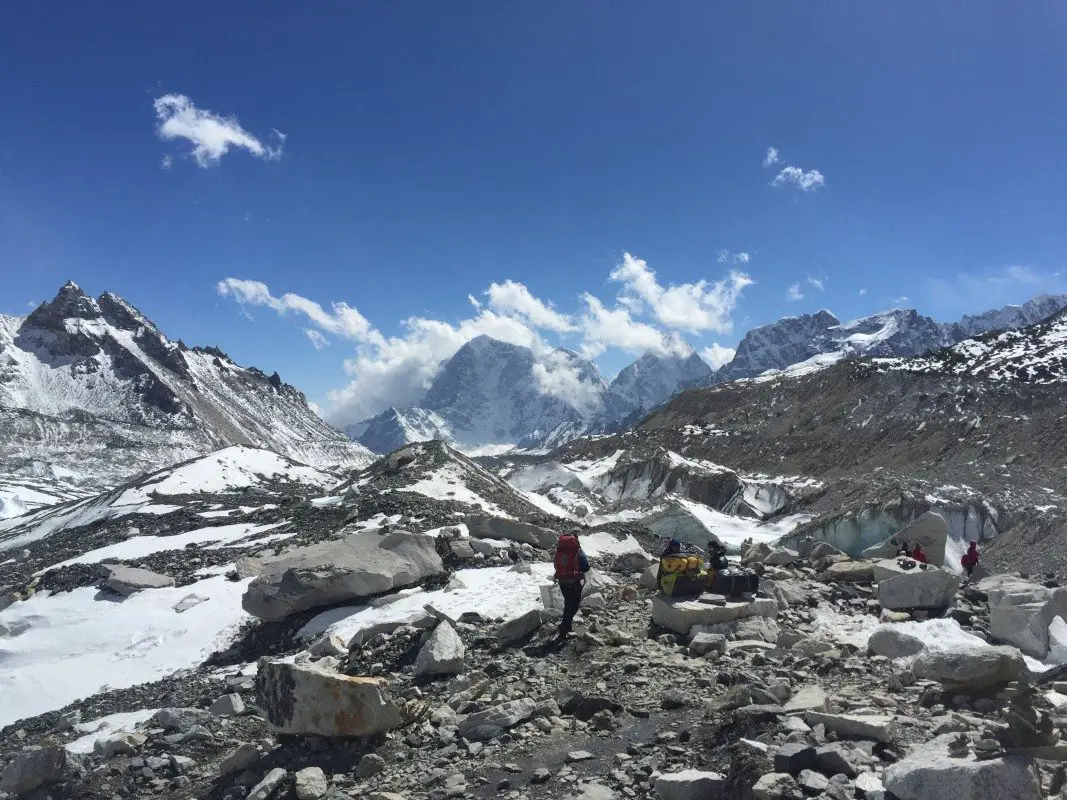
69	303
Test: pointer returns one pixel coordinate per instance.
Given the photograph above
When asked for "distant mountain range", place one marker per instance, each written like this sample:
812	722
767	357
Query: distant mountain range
492	392
93	390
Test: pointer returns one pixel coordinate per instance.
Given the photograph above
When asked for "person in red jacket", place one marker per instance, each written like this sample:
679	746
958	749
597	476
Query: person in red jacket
918	554
970	558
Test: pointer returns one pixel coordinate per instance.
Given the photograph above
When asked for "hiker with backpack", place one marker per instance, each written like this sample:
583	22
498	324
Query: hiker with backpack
570	565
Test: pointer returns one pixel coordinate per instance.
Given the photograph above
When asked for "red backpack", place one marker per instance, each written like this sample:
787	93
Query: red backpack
566	561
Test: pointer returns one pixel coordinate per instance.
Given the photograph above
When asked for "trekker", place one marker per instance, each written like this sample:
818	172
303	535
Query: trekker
970	559
904	551
918	554
717	556
571	565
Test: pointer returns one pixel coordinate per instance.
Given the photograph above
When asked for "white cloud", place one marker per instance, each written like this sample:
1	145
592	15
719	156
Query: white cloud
771	157
511	297
211	135
806	181
717	355
793	293
604	328
397	369
743	257
692	307
863	291
726	257
900	300
343	320
166	162
558	376
817	283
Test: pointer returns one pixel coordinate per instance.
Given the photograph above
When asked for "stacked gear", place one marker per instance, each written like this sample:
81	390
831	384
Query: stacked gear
681	575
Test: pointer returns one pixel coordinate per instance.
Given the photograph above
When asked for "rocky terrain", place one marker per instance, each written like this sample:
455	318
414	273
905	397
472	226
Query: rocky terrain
92	392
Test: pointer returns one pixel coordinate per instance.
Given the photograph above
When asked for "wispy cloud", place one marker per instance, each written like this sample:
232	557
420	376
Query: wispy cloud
793	293
211	135
900	300
771	158
806	181
645	315
991	287
863	292
817	283
726	257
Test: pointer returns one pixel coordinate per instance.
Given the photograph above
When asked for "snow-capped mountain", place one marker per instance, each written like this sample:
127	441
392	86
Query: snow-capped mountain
94	387
1037	354
650	380
814	341
493	392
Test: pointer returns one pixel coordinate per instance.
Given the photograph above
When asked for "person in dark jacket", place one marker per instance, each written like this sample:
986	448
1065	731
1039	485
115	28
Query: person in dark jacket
717	556
571	565
970	558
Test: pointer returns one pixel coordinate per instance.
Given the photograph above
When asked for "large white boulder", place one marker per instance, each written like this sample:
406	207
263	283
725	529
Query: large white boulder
930	530
931	772
971	669
900	588
1020	612
681	616
484	526
442	654
311	700
360	565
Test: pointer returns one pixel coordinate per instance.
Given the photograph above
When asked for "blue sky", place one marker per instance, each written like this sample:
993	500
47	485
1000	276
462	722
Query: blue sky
432	150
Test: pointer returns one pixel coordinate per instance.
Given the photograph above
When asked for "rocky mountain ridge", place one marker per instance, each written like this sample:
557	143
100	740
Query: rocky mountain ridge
94	388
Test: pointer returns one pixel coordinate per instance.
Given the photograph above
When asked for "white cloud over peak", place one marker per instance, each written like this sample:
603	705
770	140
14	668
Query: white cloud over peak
771	158
716	355
343	320
807	181
817	283
691	307
793	293
513	297
211	135
396	370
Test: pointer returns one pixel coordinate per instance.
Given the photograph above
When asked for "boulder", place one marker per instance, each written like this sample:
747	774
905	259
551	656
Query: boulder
483	526
823	549
310	784
875	727
229	705
755	628
848	571
681	616
359	565
517	629
1021	611
442	654
492	722
930	530
420	619
271	782
787	593
704	643
914	588
971	669
810	698
781	557
792	757
180	719
310	700
648	577
32	769
756	552
129	580
239	759
932	772
691	784
892	641
774	786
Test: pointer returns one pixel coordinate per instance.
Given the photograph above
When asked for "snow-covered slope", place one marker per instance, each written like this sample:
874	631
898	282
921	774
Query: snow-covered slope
650	380
396	427
1037	354
94	387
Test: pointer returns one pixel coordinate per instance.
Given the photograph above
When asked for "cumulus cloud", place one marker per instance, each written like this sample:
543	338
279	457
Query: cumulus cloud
342	320
211	135
806	181
511	297
691	307
558	376
771	157
716	355
396	370
793	293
